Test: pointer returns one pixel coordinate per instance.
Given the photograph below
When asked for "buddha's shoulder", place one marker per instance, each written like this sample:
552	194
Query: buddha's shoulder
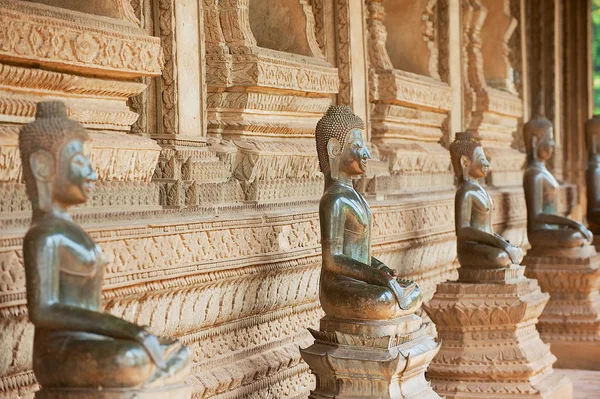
532	171
45	230
338	196
468	189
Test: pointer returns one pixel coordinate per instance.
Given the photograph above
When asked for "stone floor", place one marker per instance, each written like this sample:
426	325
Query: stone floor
586	384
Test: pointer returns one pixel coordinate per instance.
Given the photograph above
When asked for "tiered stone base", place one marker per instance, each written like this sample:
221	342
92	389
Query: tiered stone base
570	322
380	359
170	392
490	346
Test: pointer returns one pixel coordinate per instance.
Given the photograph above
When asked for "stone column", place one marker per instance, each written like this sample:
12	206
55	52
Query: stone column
378	359
190	172
490	346
571	321
493	106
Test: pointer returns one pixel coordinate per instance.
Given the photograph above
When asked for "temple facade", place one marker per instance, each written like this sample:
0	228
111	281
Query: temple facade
202	115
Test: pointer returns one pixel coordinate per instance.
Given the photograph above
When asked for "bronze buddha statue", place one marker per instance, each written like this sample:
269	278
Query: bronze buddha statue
545	228
478	246
592	173
76	345
354	285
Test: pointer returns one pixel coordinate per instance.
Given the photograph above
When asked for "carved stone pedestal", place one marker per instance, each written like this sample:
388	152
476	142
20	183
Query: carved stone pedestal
490	346
379	359
170	392
571	321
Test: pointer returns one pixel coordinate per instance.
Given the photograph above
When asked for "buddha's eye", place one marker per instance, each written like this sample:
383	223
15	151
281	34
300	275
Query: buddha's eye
78	160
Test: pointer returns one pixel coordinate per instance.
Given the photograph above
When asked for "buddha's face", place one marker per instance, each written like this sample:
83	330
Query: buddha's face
75	177
478	166
545	145
354	156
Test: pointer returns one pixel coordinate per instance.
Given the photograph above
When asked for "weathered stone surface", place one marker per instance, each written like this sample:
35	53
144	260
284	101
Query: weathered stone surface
186	240
490	346
378	359
570	322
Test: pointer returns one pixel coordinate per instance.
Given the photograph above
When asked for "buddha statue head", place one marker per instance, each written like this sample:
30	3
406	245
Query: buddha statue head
592	134
56	167
340	143
539	139
468	158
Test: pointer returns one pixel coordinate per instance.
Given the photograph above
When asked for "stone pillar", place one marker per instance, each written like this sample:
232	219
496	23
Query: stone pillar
490	346
493	106
545	77
571	321
350	27
378	359
190	172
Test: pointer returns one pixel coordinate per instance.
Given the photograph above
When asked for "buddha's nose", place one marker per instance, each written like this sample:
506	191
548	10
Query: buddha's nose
92	175
366	154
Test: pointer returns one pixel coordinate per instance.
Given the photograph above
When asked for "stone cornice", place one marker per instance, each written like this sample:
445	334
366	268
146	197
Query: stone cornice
407	88
75	42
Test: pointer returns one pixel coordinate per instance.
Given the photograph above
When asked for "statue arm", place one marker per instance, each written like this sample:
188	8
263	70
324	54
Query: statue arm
468	233
46	311
341	264
535	208
548	218
377	264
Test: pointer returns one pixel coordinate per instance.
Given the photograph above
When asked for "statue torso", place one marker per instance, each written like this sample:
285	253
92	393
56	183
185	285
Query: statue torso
357	229
480	204
355	214
82	268
547	186
80	262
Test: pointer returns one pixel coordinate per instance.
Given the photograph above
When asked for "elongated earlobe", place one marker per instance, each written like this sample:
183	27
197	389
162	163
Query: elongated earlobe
334	150
42	165
43	168
465	162
534	143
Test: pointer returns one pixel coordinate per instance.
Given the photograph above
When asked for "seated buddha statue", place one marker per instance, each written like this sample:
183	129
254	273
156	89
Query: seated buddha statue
478	246
354	284
545	228
592	174
76	344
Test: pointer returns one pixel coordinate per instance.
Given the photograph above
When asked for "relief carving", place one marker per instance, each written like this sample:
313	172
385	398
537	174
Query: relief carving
120	50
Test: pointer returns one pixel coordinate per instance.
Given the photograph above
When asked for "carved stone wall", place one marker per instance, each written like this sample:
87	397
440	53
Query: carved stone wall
202	114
